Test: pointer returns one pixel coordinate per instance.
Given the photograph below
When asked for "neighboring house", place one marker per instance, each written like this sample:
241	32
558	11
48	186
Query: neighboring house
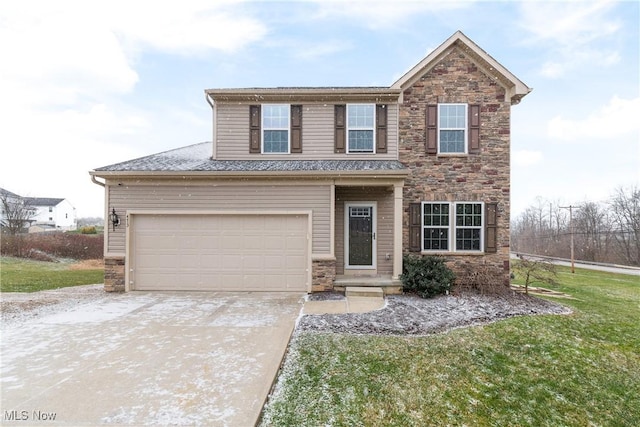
44	213
308	189
52	214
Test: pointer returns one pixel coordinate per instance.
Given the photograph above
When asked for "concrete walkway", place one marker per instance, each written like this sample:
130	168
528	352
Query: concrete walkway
147	359
349	304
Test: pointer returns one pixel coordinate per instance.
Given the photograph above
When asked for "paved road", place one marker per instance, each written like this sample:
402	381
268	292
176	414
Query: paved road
632	271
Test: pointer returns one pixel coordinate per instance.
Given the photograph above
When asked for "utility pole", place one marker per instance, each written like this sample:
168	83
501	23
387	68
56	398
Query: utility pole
570	207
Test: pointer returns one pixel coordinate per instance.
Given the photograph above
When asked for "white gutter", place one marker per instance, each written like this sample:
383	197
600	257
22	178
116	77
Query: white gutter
95	181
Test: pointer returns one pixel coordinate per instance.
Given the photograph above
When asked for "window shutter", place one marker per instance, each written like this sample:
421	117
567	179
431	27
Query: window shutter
381	128
414	227
340	128
254	128
432	130
491	227
474	129
296	128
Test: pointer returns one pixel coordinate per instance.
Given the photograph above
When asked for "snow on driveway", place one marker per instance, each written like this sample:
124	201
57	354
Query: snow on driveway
146	359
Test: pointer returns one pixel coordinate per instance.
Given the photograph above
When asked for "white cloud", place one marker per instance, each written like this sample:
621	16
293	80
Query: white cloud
321	49
571	31
571	60
62	51
523	158
568	22
191	26
619	118
66	66
383	14
53	57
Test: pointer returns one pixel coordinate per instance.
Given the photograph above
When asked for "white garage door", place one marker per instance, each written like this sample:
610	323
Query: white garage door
219	252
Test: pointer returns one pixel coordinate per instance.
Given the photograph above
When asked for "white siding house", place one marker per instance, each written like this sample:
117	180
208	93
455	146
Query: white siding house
52	214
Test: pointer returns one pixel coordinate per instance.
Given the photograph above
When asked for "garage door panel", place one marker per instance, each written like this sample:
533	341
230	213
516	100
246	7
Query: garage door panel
274	262
220	252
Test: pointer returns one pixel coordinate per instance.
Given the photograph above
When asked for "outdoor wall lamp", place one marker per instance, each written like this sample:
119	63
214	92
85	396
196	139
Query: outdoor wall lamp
115	219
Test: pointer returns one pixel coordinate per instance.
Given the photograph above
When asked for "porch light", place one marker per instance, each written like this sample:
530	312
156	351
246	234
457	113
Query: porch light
114	218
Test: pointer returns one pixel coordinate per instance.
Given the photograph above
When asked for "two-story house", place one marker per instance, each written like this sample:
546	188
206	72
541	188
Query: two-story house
306	189
37	213
51	214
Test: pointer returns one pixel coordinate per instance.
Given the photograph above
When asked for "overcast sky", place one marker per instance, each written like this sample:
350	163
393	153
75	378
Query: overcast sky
85	84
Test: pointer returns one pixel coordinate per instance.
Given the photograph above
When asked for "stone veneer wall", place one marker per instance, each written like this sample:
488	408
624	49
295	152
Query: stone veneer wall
323	275
114	274
475	177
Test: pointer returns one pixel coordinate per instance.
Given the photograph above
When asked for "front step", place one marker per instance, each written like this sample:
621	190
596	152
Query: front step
362	291
388	285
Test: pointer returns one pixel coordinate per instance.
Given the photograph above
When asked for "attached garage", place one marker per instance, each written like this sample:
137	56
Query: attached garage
219	252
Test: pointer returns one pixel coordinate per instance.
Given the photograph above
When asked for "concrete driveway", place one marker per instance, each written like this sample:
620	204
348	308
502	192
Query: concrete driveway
147	359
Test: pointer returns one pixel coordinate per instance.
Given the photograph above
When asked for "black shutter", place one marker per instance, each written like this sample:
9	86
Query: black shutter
296	128
474	129
432	130
340	128
415	225
381	128
491	227
254	129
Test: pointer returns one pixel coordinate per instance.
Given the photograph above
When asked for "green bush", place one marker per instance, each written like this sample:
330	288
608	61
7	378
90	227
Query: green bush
426	276
88	229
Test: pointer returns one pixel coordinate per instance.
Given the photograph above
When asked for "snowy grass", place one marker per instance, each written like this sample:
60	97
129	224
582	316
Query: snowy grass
24	275
546	370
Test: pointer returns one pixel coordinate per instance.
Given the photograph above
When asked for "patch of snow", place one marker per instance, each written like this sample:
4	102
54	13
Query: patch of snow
92	313
412	315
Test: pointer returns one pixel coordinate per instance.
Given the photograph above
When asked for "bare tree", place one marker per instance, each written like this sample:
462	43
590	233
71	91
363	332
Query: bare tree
606	232
535	271
17	213
591	227
625	214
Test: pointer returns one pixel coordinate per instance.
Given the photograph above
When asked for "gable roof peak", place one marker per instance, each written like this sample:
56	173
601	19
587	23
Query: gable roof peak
516	89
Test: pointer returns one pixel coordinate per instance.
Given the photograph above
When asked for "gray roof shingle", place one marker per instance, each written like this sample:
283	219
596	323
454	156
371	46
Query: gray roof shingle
42	201
197	158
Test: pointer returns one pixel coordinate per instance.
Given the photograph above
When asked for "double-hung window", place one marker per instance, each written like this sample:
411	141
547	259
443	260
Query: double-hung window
360	128
452	128
468	226
452	227
275	128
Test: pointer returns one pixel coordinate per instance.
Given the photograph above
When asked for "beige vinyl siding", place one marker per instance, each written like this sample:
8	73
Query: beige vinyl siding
232	127
384	236
223	196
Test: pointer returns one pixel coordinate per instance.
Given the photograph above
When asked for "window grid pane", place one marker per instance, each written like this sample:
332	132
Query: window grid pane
452	124
360	122
276	141
452	141
361	140
468	226
275	132
467	240
360	116
436	226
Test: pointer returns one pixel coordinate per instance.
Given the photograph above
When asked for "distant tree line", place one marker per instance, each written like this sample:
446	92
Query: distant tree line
603	231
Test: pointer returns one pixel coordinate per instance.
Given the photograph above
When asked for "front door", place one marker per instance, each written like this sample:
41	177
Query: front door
360	235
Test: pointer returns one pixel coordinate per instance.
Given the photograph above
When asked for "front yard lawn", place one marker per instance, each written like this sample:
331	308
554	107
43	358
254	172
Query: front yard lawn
552	370
24	275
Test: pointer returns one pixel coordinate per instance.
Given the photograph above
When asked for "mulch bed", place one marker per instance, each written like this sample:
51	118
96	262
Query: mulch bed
412	315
